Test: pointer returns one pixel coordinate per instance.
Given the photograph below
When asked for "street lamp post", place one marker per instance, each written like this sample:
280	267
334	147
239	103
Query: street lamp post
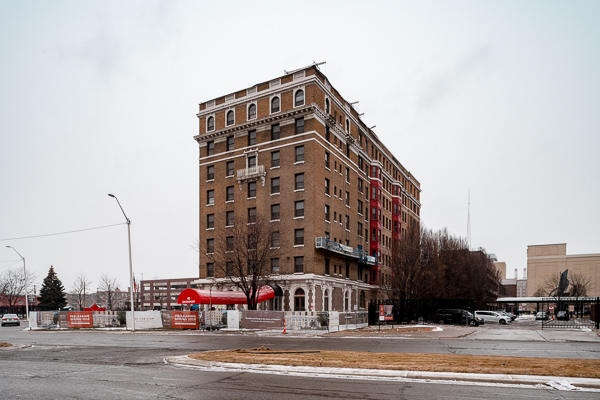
25	281
130	263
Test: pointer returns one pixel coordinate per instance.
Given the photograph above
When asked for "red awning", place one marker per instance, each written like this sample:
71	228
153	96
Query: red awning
197	296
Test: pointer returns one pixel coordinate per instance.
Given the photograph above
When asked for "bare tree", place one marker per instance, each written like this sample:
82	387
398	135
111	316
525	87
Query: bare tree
580	284
107	290
242	254
80	286
13	285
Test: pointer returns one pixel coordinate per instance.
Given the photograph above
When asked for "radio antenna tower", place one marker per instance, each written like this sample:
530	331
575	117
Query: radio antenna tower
469	222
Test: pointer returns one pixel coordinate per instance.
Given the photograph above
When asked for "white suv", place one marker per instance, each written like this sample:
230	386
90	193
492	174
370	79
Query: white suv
493	316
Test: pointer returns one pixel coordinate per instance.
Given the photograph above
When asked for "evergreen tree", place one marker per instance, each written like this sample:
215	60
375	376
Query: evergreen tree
52	293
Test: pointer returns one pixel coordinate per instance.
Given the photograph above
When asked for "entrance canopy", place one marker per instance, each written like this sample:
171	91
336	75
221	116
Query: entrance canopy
198	296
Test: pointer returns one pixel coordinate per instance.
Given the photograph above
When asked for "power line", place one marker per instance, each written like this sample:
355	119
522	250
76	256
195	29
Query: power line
63	233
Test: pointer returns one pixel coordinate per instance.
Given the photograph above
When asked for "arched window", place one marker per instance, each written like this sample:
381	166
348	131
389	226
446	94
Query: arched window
327	106
252	111
210	124
230	118
362	299
299	300
275	105
299	99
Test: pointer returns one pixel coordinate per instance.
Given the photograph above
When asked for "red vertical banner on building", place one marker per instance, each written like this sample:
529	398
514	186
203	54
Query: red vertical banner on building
184	319
80	319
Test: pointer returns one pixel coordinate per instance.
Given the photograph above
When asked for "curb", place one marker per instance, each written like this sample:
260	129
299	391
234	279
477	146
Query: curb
379	374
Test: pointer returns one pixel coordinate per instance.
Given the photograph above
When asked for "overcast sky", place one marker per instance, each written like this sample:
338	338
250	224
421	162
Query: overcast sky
96	97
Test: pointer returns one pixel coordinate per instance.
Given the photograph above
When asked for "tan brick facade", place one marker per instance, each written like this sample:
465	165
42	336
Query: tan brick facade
338	149
546	260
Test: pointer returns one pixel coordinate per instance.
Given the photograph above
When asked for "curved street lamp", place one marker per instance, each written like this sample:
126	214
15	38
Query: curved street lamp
130	263
25	281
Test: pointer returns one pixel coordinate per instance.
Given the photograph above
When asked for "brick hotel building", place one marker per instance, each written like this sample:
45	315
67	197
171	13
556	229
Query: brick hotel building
295	152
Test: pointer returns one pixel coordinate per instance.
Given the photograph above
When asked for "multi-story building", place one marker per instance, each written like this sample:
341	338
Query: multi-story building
162	294
293	150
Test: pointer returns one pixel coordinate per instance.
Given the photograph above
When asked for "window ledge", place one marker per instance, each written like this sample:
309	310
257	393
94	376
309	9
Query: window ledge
229	201
328	169
275	194
210	229
327	194
210	205
210	180
277	167
327	221
298	190
251	198
302	217
275	220
298	245
229	226
299	162
274	248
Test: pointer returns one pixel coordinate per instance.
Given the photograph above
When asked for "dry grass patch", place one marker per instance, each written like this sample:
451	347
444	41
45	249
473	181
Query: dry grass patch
411	362
4	344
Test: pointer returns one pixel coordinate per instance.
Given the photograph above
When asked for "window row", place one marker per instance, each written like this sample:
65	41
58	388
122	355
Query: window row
251	137
275	107
231	267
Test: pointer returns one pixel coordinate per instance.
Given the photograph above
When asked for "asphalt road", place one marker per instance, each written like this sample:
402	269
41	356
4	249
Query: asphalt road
99	365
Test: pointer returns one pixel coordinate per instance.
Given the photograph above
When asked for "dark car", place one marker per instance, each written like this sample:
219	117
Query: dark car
562	315
10	319
455	316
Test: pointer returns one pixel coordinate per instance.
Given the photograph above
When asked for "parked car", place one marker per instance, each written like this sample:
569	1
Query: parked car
543	315
455	316
493	317
562	315
10	319
508	315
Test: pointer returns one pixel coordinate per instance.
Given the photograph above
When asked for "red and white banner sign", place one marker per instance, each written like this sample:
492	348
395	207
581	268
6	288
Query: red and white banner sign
80	319
184	319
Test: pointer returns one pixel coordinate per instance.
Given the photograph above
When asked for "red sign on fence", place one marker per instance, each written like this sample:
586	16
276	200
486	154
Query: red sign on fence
184	319
80	319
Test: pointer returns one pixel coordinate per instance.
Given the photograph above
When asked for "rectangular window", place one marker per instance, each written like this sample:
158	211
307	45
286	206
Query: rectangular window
275	159
360	162
275	132
274	212
210	148
348	198
299	125
360	228
298	264
298	237
252	215
252	241
210	221
360	207
299	181
210	172
299	209
327	160
210	270
251	161
275	239
347	270
326	186
230	268
327	136
347	175
230	143
327	208
230	192
229	243
210	197
251	138
299	153
251	189
327	266
230	220
210	246
275	265
275	185
374	236
230	168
